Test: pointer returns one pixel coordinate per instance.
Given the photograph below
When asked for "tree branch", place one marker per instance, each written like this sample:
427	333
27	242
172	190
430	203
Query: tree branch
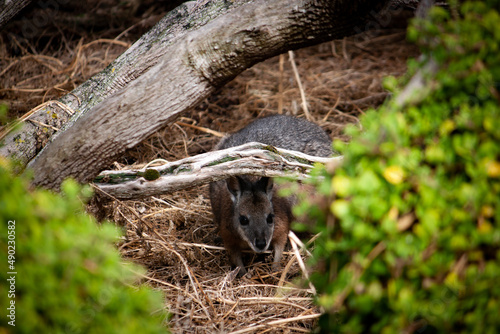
251	159
190	70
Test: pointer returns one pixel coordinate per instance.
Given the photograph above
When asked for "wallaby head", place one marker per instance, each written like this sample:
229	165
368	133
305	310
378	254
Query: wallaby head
253	214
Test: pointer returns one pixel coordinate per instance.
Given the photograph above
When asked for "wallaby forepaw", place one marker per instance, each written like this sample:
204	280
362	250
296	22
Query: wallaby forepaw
276	266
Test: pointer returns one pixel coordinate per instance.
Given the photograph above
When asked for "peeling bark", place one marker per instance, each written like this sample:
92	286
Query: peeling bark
250	159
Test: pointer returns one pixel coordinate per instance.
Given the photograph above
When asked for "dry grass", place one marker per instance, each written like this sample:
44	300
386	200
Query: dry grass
173	236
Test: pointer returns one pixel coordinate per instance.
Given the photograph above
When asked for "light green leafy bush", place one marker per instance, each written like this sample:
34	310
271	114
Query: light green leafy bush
69	276
410	232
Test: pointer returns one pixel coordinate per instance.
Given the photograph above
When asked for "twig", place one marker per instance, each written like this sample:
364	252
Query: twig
162	161
280	84
277	323
105	40
331	110
299	82
344	51
302	266
44	125
286	270
287	301
202	129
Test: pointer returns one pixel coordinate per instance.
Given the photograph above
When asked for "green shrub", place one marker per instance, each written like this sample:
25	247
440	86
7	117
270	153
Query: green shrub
411	230
69	276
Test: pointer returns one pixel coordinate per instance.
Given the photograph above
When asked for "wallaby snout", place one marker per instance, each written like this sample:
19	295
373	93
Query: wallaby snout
261	244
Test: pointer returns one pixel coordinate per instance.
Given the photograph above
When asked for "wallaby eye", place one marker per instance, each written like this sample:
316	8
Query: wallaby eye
244	220
270	219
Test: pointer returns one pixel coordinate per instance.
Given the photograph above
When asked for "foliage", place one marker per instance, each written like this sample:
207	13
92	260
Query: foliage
411	220
69	276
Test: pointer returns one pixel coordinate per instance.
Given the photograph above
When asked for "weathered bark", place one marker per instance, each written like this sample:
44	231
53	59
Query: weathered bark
191	69
9	9
251	159
26	144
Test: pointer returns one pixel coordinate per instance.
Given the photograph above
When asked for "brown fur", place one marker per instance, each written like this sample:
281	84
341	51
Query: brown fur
247	209
257	205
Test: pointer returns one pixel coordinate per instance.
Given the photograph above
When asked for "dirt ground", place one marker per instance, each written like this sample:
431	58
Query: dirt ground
183	255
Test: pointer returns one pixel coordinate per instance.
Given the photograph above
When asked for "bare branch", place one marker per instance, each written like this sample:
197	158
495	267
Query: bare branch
251	158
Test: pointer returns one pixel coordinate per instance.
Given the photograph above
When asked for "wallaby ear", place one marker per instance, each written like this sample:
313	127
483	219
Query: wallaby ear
234	187
265	184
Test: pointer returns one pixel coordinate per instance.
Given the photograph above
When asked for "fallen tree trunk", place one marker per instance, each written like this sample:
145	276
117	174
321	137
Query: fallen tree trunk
251	159
190	70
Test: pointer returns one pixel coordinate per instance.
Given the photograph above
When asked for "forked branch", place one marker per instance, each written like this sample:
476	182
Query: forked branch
251	158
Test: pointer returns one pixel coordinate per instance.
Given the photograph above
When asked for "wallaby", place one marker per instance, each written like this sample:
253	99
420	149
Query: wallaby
247	209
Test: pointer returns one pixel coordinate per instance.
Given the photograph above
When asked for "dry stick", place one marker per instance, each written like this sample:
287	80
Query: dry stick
44	125
344	51
299	82
267	300
278	322
250	158
202	129
160	212
105	40
203	246
348	116
299	242
286	270
331	109
299	260
230	310
174	207
74	63
280	84
38	58
270	286
9	66
159	160
23	90
192	277
186	293
368	99
273	299
316	236
169	285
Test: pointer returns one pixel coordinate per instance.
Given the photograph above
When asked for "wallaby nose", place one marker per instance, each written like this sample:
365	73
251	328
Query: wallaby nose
260	244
